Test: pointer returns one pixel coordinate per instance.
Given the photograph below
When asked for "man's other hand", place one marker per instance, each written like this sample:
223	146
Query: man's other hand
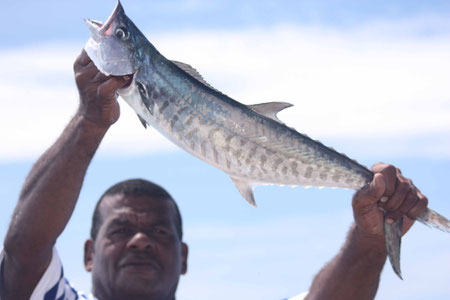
389	193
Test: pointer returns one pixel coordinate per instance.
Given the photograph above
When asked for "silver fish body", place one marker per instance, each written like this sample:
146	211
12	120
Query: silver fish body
248	146
247	142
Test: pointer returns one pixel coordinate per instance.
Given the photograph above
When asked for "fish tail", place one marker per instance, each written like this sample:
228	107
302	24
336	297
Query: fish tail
393	234
433	219
393	238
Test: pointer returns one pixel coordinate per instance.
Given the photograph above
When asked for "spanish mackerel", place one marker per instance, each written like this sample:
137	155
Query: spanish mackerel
247	142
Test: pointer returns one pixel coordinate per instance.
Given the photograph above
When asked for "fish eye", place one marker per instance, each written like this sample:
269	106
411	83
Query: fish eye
122	33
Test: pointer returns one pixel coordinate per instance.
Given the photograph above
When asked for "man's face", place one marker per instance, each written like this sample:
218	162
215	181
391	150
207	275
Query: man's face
137	252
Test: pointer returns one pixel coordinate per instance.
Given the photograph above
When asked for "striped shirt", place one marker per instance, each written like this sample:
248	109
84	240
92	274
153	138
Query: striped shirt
54	285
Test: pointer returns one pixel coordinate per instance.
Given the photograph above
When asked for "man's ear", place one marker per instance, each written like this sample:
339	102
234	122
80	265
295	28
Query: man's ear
88	254
184	254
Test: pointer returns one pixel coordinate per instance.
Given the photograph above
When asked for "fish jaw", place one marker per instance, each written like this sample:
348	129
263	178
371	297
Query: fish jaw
111	44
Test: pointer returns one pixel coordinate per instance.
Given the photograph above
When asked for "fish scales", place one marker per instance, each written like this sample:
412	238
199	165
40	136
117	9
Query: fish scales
247	142
223	117
225	121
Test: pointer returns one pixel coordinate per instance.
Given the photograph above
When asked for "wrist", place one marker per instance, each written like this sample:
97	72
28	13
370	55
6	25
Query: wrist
89	126
372	244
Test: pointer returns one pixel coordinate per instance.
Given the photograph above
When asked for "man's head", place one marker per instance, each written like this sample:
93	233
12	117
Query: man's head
136	247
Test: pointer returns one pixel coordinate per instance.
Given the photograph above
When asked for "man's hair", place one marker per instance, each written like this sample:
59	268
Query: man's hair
135	187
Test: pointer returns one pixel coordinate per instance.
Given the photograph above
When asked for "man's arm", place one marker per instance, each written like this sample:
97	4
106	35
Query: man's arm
52	187
355	271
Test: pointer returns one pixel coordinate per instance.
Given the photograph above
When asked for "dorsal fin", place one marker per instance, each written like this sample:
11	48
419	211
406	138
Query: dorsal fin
193	72
270	109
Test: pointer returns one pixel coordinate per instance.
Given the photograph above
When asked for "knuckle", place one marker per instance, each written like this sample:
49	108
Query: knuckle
403	187
417	209
79	77
424	201
377	166
411	199
390	169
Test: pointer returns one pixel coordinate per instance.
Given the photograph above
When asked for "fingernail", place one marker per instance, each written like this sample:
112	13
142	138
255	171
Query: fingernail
389	221
384	199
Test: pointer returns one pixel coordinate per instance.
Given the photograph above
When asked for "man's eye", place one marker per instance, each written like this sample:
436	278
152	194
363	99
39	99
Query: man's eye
159	231
120	231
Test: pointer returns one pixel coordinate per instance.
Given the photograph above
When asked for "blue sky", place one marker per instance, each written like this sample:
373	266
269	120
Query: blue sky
369	78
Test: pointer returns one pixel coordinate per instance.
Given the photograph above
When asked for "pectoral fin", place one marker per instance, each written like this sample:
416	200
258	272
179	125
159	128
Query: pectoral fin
393	238
246	190
144	123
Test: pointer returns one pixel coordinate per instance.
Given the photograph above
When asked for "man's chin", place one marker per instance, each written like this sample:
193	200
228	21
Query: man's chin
137	284
139	273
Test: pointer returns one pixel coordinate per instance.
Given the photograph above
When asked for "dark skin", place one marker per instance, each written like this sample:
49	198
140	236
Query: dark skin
354	273
53	186
137	251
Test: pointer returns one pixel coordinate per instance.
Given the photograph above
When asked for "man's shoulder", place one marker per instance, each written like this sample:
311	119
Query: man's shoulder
53	285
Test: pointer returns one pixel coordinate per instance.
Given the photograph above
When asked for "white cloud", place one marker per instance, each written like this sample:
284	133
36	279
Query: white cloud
346	86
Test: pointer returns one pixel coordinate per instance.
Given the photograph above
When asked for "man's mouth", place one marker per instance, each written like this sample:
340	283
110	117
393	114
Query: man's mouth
144	264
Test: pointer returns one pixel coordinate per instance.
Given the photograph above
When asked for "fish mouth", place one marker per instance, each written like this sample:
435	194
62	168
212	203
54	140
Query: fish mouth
94	28
106	26
100	28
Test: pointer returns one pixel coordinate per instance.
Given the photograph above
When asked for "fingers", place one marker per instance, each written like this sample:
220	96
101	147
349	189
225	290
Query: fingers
418	207
82	60
404	187
401	197
107	90
409	201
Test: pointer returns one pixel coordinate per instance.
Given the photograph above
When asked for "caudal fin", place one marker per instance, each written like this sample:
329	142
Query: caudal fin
393	234
393	238
433	219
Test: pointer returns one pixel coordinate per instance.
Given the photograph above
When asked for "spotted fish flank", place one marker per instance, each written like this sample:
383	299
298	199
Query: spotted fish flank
247	142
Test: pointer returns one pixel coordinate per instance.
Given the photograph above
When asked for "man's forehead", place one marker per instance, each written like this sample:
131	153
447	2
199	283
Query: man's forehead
130	216
140	205
134	201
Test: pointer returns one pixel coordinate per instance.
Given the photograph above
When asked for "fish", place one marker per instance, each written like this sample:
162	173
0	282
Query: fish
248	142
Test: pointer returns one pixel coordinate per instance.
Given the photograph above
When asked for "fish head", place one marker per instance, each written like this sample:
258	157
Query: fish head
113	45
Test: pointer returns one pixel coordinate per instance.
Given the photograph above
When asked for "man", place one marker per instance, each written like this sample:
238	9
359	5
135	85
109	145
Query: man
136	249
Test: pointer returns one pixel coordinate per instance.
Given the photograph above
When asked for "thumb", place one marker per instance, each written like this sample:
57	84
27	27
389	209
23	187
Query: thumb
370	194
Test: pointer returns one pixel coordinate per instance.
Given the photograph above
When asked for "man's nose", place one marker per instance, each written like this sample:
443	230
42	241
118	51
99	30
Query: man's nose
140	241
